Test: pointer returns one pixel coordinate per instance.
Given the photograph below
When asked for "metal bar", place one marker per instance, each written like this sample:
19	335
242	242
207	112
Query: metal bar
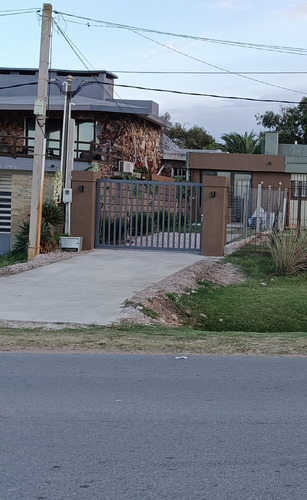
163	216
174	214
115	216
152	214
130	183
137	213
158	213
147	215
120	220
126	185
191	215
179	217
169	215
105	191
142	215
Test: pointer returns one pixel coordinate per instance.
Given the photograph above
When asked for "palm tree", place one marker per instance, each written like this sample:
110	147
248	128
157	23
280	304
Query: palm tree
238	143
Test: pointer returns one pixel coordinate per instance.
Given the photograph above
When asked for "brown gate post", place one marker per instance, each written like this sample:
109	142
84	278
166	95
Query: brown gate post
83	207
215	214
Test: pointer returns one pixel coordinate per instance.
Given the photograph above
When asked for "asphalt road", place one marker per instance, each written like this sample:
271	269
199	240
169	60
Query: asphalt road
152	427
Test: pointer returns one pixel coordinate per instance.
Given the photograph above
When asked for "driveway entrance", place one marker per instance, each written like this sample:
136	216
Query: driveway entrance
149	215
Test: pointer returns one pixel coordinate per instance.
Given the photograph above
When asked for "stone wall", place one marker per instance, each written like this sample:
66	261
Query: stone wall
125	137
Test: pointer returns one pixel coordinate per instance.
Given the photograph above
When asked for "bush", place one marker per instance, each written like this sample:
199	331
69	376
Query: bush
289	252
52	220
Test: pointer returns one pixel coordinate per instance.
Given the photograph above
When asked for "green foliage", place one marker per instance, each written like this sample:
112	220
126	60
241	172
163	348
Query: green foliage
264	303
246	143
192	138
13	257
291	122
289	252
52	220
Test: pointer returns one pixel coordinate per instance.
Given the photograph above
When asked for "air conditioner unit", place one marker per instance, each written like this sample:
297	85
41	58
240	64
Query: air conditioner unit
126	166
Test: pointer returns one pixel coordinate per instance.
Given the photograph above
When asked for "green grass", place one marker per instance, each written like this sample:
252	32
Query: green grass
13	258
264	303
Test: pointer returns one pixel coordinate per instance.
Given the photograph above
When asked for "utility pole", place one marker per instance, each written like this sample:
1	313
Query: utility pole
40	142
67	152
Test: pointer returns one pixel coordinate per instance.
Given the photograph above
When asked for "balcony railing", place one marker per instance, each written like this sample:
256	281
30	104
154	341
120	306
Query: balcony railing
15	146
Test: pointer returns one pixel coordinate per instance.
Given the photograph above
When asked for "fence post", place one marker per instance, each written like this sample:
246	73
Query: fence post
215	213
299	208
259	194
245	210
83	207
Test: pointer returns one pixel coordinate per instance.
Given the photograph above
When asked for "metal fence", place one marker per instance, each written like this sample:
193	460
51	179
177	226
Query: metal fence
149	215
254	213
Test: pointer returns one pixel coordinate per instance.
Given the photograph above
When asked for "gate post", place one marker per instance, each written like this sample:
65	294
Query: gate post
83	207
215	213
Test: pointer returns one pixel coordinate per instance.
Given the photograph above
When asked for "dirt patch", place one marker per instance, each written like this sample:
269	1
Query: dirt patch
152	306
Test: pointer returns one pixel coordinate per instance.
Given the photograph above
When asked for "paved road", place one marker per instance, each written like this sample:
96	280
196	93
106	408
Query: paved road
89	288
150	427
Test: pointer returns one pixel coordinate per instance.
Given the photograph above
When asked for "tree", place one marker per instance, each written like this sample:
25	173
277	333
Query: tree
291	122
238	143
193	138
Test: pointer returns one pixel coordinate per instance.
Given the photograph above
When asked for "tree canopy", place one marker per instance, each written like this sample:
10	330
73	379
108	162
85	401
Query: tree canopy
291	122
248	143
193	138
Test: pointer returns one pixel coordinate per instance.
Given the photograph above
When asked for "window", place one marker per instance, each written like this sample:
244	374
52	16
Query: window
296	187
84	135
53	136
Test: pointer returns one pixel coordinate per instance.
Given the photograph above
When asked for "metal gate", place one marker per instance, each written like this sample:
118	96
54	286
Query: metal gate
149	215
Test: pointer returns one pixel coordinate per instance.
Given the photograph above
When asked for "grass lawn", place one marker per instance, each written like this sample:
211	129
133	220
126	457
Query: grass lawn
265	303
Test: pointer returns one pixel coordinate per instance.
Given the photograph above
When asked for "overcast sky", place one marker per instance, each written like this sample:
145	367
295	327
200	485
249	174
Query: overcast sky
266	22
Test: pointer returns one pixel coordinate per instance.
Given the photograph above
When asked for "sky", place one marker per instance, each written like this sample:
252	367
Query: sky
153	56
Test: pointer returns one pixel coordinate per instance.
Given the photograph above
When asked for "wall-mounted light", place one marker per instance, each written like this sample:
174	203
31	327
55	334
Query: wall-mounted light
81	189
269	163
213	194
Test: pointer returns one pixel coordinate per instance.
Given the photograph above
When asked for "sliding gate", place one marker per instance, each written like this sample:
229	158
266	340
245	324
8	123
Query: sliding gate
149	215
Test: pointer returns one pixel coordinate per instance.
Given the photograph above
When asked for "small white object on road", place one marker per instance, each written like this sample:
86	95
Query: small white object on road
181	357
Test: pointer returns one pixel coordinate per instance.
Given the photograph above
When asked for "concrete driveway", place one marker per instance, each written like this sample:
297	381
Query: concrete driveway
89	288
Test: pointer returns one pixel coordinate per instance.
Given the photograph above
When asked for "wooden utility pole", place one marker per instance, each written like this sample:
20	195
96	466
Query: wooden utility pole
40	142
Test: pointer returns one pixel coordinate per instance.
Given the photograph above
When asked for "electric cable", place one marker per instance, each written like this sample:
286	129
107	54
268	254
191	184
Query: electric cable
274	48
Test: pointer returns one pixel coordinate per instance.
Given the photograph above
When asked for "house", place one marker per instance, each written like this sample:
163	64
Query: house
280	172
174	159
107	130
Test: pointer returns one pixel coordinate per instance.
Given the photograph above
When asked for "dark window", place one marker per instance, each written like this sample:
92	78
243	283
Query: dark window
296	187
53	136
84	135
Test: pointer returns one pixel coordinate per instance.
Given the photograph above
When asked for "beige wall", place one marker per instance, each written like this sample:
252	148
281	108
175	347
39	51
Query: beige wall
21	198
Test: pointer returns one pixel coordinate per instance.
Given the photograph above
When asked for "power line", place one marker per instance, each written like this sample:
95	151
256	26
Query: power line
209	72
274	48
82	58
217	67
197	94
4	13
73	93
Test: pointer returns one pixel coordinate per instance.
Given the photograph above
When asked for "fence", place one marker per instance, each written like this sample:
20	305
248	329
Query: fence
145	214
254	212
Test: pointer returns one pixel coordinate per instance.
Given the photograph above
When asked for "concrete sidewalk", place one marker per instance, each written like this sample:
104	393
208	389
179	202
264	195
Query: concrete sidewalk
88	288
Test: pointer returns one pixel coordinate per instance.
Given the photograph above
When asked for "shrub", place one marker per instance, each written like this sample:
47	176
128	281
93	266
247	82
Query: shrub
289	252
52	220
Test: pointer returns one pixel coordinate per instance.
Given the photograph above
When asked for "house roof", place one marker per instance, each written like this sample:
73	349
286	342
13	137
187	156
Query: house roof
171	151
19	92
